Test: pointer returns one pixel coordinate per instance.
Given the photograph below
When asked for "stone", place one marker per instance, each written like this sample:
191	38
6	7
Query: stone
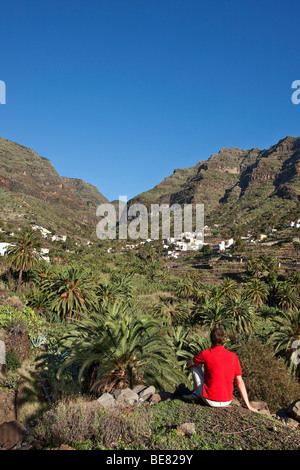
147	392
12	434
139	388
156	398
127	397
117	392
261	406
284	417
106	400
294	410
146	397
186	429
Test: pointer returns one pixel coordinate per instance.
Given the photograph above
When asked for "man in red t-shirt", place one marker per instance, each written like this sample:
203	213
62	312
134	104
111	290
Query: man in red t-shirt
221	367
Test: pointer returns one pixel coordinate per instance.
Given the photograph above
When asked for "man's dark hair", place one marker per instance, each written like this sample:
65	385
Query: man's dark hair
217	337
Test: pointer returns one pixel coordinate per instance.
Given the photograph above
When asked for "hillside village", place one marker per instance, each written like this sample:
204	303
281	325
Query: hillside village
173	246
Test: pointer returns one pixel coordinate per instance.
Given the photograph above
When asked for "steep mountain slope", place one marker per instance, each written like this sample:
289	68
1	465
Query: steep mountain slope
31	190
237	184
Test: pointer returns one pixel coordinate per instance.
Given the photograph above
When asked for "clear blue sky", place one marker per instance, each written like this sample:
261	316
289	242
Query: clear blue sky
120	93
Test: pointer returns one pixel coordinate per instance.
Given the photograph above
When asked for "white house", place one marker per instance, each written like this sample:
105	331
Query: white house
3	248
57	238
44	231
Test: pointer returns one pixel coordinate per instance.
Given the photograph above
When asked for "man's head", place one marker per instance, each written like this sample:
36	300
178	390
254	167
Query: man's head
217	337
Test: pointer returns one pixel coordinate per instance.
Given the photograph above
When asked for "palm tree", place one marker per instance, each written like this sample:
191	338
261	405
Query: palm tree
119	287
184	288
23	255
187	343
117	349
210	313
228	289
71	291
294	280
253	267
241	314
287	298
257	292
171	311
284	331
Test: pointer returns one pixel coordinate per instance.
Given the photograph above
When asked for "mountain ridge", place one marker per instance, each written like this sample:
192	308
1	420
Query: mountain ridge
31	190
235	183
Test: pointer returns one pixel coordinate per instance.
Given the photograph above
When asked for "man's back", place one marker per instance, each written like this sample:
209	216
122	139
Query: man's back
220	368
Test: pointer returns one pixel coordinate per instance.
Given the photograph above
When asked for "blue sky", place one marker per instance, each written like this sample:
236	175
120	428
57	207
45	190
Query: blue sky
120	93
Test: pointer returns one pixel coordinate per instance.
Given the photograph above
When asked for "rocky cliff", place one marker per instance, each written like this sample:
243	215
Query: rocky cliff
31	190
234	184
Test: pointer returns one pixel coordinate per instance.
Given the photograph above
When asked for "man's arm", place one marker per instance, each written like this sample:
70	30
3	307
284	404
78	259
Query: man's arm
190	364
243	391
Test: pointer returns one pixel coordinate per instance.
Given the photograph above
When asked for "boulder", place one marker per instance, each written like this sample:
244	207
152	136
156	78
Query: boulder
294	410
155	398
127	397
139	388
107	400
147	392
284	417
12	433
261	406
186	429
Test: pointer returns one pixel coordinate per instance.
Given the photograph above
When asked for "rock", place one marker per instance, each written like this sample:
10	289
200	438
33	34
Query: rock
284	417
147	392
186	429
261	406
156	398
12	434
294	410
127	397
139	388
146	397
107	400
117	392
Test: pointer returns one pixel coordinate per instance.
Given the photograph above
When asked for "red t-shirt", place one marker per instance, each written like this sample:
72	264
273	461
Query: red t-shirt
220	369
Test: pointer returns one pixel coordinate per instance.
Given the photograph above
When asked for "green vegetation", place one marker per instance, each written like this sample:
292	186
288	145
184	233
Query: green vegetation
98	321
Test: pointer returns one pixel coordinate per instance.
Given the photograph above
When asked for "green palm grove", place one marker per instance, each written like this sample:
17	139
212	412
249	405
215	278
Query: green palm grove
109	327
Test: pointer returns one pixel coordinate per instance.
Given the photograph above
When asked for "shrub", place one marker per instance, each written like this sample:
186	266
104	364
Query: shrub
266	377
72	421
12	361
11	317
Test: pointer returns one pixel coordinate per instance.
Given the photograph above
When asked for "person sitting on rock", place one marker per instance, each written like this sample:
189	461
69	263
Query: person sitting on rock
215	385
